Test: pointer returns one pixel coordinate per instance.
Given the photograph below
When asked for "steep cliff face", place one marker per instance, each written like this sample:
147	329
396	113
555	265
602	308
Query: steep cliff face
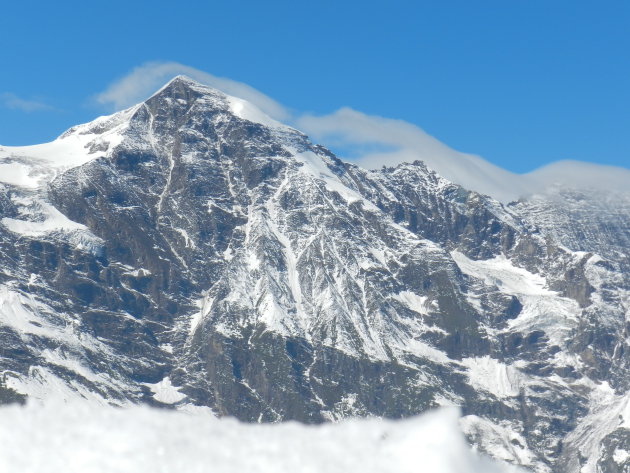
191	250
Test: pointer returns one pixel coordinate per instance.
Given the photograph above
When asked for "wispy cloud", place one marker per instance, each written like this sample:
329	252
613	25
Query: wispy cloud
375	141
12	101
350	127
579	175
407	143
142	81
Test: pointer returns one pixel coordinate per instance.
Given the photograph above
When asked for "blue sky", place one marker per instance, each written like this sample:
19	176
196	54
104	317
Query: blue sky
521	83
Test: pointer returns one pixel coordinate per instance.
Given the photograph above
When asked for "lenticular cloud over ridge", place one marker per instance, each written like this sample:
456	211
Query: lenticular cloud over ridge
408	143
144	80
403	142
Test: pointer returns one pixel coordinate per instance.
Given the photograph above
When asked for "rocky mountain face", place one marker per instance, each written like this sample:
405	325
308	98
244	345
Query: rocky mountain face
191	252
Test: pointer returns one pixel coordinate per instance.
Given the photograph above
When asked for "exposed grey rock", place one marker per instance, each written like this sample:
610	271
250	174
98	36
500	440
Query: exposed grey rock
213	257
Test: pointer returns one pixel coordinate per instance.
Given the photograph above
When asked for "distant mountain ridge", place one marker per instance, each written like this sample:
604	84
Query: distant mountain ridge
191	251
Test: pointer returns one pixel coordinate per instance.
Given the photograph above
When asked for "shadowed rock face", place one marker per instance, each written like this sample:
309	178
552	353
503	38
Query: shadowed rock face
254	273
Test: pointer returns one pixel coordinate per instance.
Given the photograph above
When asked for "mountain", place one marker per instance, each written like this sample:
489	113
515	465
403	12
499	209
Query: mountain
191	251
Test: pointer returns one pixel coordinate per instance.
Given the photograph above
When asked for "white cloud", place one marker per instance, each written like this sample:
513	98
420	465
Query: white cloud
403	141
348	128
144	80
579	175
14	102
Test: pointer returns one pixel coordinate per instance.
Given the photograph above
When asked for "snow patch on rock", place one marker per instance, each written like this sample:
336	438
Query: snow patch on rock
493	376
165	392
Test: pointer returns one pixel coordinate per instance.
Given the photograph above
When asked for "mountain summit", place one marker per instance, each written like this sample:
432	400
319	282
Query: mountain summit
192	251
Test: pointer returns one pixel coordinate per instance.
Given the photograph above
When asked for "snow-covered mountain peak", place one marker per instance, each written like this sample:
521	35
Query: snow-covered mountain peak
183	79
190	250
104	126
181	104
183	89
36	166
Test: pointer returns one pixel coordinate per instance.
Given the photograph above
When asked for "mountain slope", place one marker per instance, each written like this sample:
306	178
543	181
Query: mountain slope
194	251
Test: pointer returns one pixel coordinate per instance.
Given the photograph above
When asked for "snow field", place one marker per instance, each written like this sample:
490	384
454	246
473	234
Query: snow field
85	438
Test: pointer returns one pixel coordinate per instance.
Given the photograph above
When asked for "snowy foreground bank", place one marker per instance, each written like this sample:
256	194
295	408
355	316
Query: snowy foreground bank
92	439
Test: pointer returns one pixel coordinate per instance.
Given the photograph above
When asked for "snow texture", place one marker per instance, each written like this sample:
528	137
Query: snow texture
542	308
492	376
81	437
165	392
